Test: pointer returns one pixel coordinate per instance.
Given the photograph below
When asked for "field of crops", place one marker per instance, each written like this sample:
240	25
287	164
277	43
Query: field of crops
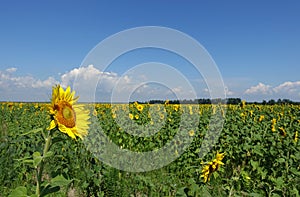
257	152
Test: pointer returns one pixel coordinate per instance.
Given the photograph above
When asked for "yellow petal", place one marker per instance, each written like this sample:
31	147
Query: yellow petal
67	92
52	125
71	134
61	93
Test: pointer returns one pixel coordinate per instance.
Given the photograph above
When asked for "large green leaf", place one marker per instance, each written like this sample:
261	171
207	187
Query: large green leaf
20	191
60	181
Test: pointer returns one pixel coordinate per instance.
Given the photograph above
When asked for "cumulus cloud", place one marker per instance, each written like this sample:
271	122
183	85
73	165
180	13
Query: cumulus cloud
44	83
288	87
83	74
137	84
11	70
9	80
92	84
259	89
24	88
290	90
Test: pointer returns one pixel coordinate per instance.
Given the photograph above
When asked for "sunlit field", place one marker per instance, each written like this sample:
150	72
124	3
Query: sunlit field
256	154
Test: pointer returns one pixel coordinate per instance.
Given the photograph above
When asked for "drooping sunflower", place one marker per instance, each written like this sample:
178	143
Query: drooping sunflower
67	117
212	166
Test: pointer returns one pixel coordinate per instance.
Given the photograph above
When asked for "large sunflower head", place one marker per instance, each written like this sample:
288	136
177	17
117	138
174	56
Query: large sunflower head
67	117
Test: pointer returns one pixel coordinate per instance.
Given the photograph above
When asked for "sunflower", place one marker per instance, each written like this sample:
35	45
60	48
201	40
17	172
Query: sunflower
140	107
206	172
261	118
131	116
67	117
191	133
212	166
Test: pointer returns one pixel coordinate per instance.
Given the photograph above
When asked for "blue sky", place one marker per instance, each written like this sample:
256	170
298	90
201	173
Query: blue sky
255	44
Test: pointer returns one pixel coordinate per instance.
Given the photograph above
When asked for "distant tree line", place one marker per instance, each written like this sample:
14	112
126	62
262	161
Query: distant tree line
279	101
232	101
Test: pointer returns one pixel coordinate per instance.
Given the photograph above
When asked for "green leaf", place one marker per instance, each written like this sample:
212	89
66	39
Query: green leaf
49	189
48	154
32	131
295	171
37	158
180	192
258	151
20	191
25	160
60	181
281	160
256	195
205	192
254	164
295	192
279	182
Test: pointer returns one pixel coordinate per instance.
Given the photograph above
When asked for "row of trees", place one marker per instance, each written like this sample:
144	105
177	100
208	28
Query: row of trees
233	101
279	101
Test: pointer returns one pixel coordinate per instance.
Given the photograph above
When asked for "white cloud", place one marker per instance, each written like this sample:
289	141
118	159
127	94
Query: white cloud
290	90
95	85
259	89
288	87
24	88
9	80
46	83
91	84
11	70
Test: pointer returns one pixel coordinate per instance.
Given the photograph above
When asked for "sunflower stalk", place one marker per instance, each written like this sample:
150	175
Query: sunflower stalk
40	168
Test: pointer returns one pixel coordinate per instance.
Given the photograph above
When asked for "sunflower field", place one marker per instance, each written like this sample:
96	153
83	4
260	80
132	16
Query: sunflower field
257	152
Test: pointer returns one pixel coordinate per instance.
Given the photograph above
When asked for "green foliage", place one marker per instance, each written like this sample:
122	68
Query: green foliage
257	162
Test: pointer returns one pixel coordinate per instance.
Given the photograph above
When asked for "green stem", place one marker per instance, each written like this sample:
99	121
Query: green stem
41	165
